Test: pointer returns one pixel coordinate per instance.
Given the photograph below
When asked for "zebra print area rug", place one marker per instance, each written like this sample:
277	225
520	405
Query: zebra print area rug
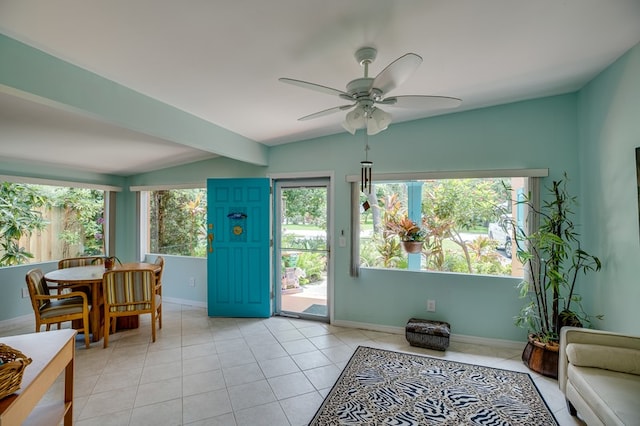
380	387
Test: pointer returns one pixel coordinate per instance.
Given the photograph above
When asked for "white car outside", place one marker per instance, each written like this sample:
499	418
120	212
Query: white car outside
501	232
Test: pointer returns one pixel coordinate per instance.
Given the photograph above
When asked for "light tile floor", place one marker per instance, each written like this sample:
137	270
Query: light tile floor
226	371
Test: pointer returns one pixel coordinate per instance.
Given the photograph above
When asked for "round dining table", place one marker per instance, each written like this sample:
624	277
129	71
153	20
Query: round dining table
91	276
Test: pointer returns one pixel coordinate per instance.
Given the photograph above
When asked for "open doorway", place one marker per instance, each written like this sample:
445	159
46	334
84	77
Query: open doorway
301	248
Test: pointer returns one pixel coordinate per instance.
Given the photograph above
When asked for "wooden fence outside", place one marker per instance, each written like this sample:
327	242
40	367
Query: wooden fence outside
45	245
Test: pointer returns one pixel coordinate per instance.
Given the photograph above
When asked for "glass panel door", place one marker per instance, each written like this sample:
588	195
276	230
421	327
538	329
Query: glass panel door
302	252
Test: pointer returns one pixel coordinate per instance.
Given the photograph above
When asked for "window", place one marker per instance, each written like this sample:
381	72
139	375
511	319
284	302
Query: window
41	223
176	221
466	223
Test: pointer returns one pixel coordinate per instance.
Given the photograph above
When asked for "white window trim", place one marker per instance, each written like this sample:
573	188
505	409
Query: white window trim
453	174
192	185
53	182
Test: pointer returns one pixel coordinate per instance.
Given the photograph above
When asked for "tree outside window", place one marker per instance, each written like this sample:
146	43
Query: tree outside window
41	223
177	222
454	215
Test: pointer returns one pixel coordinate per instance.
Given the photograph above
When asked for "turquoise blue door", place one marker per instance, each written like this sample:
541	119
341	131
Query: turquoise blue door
238	248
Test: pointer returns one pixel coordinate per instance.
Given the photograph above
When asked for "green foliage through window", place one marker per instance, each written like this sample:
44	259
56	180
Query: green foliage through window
41	223
453	214
177	222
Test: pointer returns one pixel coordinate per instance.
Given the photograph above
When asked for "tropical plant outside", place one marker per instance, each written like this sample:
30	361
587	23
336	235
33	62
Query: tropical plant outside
177	222
66	221
451	210
304	253
83	220
20	216
313	265
42	222
407	230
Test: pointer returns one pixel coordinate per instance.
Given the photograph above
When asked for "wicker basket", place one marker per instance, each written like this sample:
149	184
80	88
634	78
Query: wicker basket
13	364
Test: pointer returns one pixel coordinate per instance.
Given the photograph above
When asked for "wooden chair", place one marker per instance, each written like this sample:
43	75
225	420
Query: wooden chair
55	309
130	292
159	261
72	262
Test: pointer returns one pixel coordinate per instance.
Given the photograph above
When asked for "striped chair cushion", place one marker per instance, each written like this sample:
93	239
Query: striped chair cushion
129	290
73	262
56	308
36	278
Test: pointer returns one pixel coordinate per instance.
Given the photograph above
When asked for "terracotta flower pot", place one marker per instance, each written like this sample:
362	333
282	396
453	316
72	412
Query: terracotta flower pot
109	263
412	246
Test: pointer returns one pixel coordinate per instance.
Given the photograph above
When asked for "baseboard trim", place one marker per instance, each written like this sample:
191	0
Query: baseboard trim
16	321
184	302
499	343
459	338
368	326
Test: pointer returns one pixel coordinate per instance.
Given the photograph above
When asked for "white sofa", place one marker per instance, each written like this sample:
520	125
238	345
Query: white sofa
599	374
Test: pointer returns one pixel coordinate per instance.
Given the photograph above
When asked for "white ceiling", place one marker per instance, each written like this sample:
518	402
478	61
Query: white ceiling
221	60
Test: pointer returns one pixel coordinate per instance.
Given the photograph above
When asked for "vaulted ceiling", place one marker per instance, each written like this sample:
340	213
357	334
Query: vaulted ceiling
221	60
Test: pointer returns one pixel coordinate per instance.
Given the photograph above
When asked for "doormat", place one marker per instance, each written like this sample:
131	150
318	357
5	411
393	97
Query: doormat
381	387
316	309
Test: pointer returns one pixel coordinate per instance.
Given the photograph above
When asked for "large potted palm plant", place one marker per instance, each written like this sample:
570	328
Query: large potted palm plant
553	260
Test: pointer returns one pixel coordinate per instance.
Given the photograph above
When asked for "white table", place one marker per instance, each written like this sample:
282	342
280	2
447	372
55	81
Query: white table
51	353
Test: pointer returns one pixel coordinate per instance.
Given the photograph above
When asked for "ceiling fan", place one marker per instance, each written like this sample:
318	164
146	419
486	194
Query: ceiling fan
367	92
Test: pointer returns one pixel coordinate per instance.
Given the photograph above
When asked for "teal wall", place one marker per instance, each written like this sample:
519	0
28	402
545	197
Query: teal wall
609	122
197	172
12	280
178	272
518	135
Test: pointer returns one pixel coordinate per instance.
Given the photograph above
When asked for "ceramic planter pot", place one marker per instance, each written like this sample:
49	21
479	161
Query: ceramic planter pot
109	263
412	246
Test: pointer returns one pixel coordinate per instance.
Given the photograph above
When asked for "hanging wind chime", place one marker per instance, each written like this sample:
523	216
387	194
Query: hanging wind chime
366	166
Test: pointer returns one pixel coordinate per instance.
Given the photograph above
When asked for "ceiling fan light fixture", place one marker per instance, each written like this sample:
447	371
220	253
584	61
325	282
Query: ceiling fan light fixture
354	120
378	121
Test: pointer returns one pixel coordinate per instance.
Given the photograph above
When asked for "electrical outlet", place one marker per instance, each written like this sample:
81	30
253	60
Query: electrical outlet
192	281
431	305
25	292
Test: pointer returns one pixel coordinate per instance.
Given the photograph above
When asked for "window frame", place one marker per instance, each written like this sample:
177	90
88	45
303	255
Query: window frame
142	211
109	201
533	175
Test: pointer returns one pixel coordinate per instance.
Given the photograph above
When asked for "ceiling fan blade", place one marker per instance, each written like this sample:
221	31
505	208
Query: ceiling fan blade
397	72
326	112
316	87
422	102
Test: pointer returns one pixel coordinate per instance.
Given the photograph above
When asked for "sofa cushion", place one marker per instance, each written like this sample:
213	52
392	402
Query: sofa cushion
612	395
611	358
